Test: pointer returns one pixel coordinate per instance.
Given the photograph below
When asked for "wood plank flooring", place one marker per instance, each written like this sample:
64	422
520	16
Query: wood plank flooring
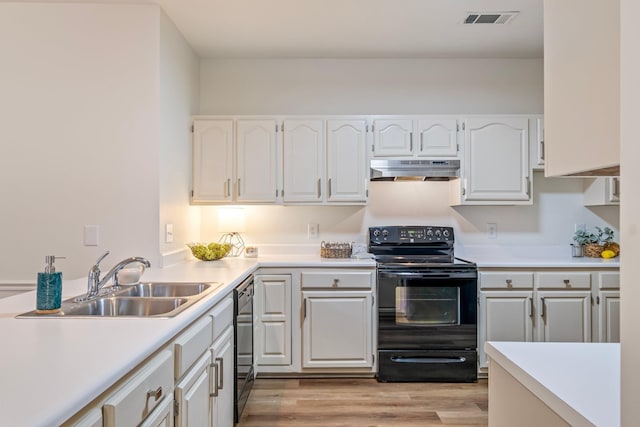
364	402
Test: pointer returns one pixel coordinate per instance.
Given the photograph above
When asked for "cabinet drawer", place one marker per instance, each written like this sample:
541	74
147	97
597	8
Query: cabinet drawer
141	394
560	280
337	279
609	280
191	344
506	280
222	315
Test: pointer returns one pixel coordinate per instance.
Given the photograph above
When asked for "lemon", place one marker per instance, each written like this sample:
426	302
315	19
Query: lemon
608	254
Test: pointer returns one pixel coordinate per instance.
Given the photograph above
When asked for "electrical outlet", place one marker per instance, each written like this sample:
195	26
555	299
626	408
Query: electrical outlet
492	230
313	230
91	235
168	233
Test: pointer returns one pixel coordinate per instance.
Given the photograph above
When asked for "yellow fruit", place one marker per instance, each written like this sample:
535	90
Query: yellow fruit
608	254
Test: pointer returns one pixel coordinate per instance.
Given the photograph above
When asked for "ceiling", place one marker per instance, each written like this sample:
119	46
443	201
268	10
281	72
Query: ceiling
354	28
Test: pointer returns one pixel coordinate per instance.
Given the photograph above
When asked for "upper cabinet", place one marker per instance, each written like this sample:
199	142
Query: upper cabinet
536	143
602	191
347	166
581	87
238	165
496	167
428	136
213	170
304	159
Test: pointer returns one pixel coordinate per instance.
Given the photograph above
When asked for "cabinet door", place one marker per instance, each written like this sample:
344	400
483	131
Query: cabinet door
273	308
257	161
496	159
304	149
212	160
438	137
223	357
505	316
162	416
392	137
564	316
609	316
603	191
337	329
537	147
192	394
347	168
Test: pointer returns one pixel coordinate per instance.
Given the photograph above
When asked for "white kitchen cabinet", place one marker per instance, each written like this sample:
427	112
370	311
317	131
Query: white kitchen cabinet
222	352
304	160
347	166
272	304
544	304
603	191
536	143
608	307
257	178
337	300
336	329
565	316
235	161
192	394
582	87
424	136
506	316
392	137
213	168
496	167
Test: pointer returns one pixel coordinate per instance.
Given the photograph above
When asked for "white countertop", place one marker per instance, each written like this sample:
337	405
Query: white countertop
579	381
530	257
52	368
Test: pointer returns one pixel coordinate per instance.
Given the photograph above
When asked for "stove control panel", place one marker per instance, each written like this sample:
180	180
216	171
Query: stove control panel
410	234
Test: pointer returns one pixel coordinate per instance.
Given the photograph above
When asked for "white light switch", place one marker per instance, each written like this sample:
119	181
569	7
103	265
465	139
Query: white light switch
313	230
91	235
168	233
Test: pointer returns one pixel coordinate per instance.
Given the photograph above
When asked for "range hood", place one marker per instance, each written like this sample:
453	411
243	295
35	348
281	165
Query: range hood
414	170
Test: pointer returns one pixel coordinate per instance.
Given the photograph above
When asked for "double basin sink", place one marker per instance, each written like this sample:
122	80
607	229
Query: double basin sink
144	299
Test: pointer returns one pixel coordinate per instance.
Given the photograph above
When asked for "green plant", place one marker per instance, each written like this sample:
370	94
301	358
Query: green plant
601	236
581	237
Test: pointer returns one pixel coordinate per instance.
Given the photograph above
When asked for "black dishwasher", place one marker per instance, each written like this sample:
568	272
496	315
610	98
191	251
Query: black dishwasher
243	344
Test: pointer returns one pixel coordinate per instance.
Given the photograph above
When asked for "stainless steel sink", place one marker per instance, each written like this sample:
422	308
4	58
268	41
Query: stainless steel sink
153	289
144	299
119	306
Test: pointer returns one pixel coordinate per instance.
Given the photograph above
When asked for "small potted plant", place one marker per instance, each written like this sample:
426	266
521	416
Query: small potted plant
581	238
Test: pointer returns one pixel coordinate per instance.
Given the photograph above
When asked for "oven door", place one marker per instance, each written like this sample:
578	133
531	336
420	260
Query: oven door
243	346
434	309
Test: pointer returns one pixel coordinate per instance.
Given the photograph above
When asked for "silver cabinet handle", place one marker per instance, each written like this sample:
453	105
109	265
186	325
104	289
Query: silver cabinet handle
238	184
329	187
336	282
319	188
214	366
542	309
567	283
530	307
156	394
304	308
421	142
411	141
221	375
616	187
509	283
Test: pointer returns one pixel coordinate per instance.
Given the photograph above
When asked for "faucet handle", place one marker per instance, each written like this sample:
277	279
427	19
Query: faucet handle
103	256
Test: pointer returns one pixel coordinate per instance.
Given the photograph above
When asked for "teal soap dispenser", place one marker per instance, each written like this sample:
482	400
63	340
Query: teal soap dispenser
49	292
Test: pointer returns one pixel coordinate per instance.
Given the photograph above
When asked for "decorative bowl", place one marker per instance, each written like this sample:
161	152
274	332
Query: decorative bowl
209	251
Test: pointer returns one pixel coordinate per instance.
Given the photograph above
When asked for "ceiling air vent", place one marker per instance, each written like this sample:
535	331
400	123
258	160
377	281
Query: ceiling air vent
489	17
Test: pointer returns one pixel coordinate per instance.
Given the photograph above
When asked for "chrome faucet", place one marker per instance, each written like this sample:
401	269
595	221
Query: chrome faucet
95	284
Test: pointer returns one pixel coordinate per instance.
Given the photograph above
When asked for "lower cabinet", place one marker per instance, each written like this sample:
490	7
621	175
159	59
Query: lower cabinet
223	381
162	416
336	329
193	394
547	305
272	304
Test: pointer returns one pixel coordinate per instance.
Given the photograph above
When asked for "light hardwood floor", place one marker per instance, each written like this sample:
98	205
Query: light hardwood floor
364	402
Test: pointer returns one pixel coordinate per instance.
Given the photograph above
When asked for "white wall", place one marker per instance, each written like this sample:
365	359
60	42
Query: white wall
630	212
371	86
80	127
179	100
400	86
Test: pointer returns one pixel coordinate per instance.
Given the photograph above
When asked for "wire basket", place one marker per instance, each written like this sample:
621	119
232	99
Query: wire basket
335	249
593	250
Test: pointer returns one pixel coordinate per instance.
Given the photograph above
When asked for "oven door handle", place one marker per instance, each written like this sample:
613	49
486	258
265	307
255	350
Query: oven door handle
417	275
440	360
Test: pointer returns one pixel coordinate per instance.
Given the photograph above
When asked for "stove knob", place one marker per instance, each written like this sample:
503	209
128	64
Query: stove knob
385	233
376	232
438	232
445	233
429	232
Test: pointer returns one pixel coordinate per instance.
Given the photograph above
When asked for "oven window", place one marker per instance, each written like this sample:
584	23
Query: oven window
428	305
